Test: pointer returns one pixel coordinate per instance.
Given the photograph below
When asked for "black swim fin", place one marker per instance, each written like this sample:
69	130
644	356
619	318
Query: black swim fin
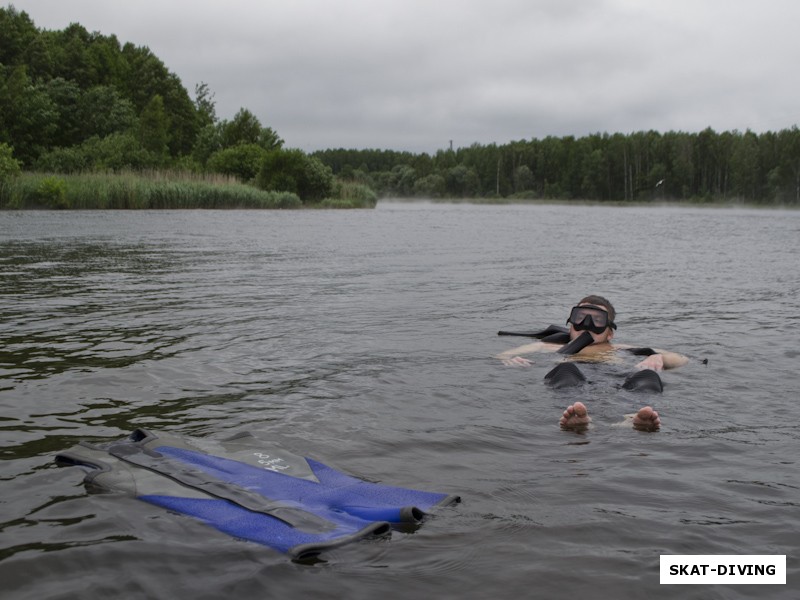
645	380
566	374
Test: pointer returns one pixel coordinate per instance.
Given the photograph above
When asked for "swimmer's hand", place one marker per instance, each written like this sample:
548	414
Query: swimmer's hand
654	362
517	361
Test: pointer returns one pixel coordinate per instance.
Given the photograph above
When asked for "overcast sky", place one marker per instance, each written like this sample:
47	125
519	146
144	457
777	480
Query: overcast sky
416	74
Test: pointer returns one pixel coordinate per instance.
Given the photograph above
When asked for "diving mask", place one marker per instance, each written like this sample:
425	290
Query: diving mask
590	318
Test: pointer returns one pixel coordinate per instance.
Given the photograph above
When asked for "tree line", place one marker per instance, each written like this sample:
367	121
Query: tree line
72	101
705	166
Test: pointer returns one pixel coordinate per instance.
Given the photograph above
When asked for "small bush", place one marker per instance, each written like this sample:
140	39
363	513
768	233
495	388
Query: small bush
52	192
294	171
350	194
9	167
244	161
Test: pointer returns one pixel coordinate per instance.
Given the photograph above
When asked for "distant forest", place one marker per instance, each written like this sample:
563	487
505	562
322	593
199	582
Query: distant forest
72	101
705	166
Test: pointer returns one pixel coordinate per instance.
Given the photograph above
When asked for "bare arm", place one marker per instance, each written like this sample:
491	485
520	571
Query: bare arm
660	360
672	360
512	357
663	359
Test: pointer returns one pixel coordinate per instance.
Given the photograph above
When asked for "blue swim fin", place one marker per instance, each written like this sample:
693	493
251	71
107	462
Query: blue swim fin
252	491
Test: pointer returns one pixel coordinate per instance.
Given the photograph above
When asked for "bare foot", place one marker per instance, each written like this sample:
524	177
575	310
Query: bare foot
646	419
575	417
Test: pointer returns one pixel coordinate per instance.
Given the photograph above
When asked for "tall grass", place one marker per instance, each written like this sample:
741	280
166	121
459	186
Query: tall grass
137	190
350	194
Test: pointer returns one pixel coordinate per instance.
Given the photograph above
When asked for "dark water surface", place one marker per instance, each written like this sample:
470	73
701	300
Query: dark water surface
365	339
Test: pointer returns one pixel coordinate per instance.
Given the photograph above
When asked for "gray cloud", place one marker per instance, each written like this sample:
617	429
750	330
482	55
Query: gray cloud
414	74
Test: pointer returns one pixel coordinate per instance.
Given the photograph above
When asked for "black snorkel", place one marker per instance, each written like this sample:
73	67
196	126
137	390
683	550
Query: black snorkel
578	344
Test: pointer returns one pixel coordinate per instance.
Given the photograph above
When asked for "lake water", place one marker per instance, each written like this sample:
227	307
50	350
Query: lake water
365	339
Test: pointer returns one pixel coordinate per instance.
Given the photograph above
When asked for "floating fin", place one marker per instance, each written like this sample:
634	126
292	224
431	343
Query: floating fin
565	374
255	491
578	344
645	380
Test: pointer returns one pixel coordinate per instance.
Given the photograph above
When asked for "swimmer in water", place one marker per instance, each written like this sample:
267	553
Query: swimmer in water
594	315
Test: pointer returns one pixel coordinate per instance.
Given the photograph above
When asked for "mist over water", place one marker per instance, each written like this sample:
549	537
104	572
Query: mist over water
365	339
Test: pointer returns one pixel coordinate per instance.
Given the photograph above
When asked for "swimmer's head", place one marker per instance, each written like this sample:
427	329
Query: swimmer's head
601	302
596	315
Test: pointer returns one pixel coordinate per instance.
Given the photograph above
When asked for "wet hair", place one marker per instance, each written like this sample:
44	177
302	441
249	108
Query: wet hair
600	301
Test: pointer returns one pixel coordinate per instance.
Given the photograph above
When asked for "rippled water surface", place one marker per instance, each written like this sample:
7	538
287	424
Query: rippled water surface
365	339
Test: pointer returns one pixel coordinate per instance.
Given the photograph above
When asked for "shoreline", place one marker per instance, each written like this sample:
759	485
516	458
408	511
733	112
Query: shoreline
177	190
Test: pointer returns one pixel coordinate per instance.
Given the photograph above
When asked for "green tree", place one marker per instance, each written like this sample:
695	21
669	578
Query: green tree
281	171
102	111
680	178
430	186
293	171
269	140
9	166
17	33
593	182
745	167
154	128
317	180
72	59
204	105
28	117
206	144
243	161
401	180
116	152
788	169
523	179
144	76
245	128
460	182
65	96
38	58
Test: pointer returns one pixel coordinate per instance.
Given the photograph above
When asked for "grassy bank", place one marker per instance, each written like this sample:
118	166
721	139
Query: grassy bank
160	190
153	190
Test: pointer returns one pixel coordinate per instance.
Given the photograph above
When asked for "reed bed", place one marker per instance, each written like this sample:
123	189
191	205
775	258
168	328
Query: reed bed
350	194
137	190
